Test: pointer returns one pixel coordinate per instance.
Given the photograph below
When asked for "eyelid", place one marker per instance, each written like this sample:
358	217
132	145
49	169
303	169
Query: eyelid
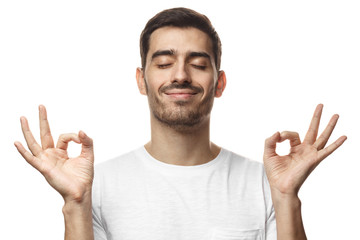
197	63
165	65
162	61
160	58
202	67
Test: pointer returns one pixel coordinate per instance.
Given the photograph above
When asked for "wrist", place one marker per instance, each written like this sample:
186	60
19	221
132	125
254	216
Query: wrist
78	195
76	205
281	199
287	208
78	218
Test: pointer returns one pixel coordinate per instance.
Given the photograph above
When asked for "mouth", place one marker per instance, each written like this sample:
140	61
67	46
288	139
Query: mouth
181	95
180	92
176	91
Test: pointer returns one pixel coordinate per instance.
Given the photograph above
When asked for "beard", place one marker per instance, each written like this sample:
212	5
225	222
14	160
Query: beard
182	116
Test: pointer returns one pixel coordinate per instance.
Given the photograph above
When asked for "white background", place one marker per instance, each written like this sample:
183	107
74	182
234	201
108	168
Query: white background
78	58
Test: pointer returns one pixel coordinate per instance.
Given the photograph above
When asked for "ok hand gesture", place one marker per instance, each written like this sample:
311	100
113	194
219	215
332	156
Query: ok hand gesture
71	177
287	173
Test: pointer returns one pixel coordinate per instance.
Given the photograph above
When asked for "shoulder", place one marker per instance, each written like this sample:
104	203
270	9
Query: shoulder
242	163
249	174
244	171
123	163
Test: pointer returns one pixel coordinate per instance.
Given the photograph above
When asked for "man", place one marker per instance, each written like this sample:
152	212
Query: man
180	185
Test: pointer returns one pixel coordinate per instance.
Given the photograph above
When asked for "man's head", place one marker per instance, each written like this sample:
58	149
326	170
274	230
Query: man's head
180	73
182	18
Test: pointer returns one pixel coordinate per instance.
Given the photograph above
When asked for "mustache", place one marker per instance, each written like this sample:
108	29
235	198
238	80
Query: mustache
184	85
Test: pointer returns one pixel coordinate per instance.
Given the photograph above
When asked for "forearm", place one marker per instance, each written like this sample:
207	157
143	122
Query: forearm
288	217
78	219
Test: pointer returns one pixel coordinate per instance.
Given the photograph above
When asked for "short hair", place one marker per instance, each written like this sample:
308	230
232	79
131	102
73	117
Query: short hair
183	18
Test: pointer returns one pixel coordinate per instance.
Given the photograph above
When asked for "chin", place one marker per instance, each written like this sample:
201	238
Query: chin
180	121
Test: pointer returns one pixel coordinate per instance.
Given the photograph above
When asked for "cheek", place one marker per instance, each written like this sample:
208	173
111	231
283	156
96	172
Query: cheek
208	83
155	81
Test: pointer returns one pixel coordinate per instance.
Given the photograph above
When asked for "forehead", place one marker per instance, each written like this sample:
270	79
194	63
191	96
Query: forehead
182	40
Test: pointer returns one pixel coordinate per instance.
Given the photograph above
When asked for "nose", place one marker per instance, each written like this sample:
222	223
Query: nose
181	74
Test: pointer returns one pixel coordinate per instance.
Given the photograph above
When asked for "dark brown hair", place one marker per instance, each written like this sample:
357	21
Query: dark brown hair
183	18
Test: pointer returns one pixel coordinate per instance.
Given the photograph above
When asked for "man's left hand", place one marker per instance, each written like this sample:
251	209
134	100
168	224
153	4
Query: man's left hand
287	173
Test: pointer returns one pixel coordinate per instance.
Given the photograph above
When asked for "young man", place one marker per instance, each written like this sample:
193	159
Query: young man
180	185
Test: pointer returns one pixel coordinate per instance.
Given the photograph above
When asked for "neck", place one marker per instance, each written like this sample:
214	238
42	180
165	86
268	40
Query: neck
187	148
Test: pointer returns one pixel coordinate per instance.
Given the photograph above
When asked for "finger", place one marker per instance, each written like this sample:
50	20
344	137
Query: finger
270	145
33	146
293	137
314	126
45	134
87	149
65	138
325	135
27	155
331	148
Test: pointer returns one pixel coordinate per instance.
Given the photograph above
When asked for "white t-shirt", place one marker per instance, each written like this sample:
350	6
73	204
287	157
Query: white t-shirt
138	197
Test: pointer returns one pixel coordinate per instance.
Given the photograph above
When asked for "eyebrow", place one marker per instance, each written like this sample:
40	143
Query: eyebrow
171	52
199	54
156	54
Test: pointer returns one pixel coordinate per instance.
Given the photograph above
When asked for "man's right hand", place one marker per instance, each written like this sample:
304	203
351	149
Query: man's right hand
71	177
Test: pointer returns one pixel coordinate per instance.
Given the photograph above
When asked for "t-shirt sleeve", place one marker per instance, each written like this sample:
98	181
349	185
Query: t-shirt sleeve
99	231
270	226
270	231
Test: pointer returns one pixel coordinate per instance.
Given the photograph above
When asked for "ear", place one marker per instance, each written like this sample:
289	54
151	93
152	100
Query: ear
141	81
221	84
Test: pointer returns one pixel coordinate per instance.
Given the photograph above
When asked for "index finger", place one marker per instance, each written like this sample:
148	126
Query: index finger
45	133
270	145
314	125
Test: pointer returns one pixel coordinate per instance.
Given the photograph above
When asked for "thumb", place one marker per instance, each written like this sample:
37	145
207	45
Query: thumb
87	148
270	145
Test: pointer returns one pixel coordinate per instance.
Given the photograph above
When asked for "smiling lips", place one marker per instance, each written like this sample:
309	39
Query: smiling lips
180	93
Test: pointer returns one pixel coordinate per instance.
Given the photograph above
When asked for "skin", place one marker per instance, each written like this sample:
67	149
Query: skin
71	177
180	84
174	143
287	173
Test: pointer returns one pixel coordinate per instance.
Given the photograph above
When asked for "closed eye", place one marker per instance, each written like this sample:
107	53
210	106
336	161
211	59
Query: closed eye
162	66
201	67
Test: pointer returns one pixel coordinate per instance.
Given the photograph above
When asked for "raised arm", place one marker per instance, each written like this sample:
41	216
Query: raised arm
71	177
286	174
